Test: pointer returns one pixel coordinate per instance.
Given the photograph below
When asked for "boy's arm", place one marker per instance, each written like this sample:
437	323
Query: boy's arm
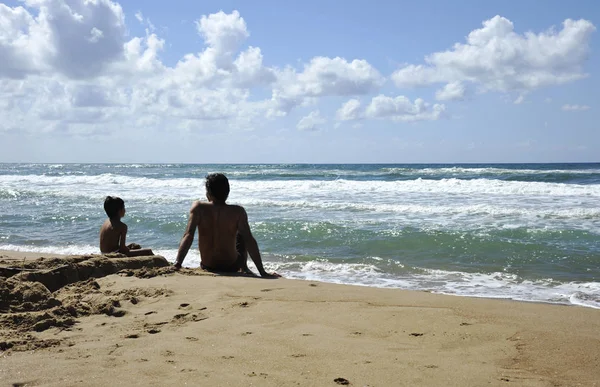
188	236
251	245
123	249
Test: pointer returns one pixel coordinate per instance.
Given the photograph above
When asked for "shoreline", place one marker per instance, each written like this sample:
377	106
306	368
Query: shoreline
34	255
154	327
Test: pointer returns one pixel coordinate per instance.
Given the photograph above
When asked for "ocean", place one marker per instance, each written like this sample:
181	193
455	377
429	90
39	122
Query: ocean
526	232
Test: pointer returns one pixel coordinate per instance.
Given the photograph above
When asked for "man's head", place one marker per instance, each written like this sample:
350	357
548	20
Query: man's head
217	187
114	207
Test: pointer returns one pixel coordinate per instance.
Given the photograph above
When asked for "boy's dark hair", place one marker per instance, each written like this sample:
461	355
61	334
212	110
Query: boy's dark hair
112	206
217	186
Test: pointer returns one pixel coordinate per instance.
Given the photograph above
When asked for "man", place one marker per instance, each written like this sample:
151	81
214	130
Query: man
223	232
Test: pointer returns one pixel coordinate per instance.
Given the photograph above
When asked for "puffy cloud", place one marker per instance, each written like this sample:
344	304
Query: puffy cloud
76	38
311	122
402	109
496	58
452	91
324	76
217	65
103	77
70	65
575	108
519	100
351	110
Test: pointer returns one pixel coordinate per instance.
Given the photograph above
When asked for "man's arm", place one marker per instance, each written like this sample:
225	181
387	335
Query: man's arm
188	236
251	245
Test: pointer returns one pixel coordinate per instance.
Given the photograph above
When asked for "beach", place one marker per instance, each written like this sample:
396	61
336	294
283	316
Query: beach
146	324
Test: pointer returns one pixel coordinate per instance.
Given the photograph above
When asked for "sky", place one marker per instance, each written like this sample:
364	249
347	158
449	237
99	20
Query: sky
207	81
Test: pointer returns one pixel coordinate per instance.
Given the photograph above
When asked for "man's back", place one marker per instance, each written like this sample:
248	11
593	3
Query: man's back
218	225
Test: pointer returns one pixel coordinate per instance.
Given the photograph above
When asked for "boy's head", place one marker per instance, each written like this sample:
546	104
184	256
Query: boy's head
217	187
114	207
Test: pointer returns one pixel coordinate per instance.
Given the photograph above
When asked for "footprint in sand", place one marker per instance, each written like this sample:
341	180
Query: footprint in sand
270	290
183	318
153	331
252	374
132	336
341	381
416	334
191	338
246	333
118	313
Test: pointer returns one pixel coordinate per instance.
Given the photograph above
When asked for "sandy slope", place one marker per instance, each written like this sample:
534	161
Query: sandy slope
195	328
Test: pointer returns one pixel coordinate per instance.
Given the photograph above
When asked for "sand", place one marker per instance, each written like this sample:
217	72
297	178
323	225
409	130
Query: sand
108	320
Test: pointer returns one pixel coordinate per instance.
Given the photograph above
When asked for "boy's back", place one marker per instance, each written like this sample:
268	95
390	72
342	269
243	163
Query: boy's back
113	232
110	236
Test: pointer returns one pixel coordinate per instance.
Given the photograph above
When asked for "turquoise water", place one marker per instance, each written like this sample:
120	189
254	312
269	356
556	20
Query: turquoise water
520	231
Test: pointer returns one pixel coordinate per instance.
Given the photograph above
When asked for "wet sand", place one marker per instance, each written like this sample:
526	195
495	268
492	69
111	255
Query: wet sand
97	320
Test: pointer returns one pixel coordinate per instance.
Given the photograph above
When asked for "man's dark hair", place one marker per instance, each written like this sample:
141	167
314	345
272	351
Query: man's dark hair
112	206
217	186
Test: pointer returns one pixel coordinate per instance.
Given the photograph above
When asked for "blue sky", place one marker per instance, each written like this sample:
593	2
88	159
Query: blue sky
234	81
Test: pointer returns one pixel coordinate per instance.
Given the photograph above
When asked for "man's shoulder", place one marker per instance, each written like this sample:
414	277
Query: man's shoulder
197	204
236	208
200	205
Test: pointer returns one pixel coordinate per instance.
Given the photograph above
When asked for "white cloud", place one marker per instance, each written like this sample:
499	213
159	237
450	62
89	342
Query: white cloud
41	91
519	100
575	108
496	58
402	109
451	91
95	35
145	21
322	77
311	122
78	39
351	110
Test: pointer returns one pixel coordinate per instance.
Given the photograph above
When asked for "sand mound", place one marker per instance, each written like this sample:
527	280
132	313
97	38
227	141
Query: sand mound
48	293
18	296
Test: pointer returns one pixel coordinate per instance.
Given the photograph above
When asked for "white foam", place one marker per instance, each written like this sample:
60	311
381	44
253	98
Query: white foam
492	285
65	250
488	171
302	188
448	203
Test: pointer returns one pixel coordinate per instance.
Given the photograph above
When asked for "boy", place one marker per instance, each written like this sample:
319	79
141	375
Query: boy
113	232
